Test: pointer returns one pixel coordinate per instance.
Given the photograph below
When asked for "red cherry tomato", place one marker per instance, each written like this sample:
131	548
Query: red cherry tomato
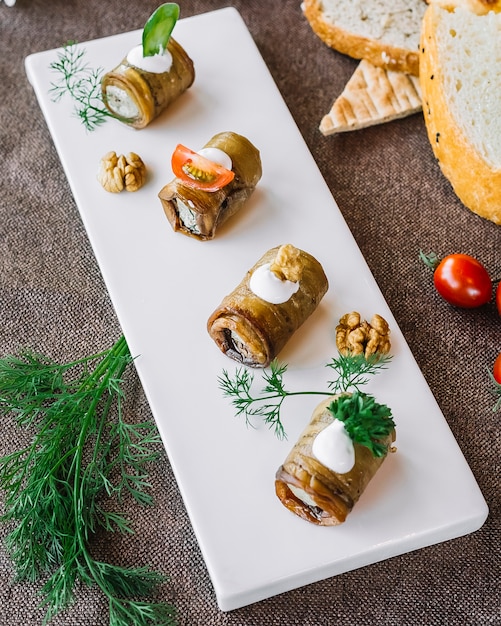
496	370
194	170
498	297
462	281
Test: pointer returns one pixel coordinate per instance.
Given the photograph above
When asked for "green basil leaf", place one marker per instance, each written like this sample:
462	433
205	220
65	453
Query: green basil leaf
158	28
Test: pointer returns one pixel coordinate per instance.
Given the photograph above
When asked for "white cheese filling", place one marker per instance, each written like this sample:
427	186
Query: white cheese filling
120	103
187	215
302	495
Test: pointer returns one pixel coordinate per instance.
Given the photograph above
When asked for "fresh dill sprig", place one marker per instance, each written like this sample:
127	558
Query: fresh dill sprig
266	404
367	422
82	83
353	372
82	449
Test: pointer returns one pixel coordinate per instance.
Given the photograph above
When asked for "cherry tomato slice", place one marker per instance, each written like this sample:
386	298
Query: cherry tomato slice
462	281
496	370
194	170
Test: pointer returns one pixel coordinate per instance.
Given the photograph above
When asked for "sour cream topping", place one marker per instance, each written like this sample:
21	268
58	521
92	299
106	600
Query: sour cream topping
217	156
156	64
333	447
269	287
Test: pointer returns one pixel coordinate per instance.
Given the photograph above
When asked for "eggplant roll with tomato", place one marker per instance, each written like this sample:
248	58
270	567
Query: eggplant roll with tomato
275	297
323	477
196	212
136	96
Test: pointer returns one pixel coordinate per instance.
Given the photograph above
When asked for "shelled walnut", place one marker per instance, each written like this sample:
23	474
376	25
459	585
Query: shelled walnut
117	173
287	264
357	336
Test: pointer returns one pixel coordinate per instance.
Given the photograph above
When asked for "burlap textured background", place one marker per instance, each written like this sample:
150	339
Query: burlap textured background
395	200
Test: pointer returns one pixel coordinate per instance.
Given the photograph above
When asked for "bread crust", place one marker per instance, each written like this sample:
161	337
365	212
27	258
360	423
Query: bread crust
376	52
480	7
476	183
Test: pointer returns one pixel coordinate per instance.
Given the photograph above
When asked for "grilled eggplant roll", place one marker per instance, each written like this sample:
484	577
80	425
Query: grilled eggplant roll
197	212
317	493
136	97
252	328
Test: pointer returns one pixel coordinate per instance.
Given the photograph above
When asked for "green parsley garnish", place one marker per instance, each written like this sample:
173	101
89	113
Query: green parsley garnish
353	371
366	422
82	450
158	29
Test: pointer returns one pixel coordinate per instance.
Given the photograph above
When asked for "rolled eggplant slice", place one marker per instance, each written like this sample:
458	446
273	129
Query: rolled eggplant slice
136	97
198	213
314	492
252	330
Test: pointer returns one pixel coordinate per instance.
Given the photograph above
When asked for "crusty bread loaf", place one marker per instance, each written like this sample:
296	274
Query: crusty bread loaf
460	65
372	96
384	32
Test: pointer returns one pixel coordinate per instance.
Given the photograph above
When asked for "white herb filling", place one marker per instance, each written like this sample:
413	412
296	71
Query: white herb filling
187	215
120	103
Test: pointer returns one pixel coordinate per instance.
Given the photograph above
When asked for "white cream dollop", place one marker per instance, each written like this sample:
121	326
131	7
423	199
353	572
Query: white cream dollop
333	447
216	155
268	286
156	64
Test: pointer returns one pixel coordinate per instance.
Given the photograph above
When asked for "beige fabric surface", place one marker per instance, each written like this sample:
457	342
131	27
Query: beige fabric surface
396	202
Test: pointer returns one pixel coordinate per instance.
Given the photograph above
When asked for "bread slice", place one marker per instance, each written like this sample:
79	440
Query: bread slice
460	81
384	32
480	7
372	96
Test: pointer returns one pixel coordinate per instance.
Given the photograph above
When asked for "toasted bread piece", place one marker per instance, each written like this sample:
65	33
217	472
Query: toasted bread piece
372	96
384	32
460	81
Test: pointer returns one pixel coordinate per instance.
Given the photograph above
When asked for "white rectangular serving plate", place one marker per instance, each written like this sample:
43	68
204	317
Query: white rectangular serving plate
165	285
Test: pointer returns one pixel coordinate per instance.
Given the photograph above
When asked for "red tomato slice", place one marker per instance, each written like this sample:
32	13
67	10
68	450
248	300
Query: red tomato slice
196	171
462	281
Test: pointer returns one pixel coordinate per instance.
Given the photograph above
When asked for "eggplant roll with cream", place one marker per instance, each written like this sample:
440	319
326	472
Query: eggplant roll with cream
196	212
137	96
326	471
254	322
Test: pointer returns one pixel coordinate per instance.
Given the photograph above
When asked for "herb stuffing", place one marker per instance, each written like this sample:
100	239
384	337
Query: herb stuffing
82	450
353	372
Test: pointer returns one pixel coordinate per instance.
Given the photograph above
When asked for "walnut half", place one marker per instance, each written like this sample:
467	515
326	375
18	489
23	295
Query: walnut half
117	173
357	336
287	264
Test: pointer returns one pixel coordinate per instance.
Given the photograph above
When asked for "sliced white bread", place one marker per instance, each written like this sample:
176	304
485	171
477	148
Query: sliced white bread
372	96
480	7
384	32
460	66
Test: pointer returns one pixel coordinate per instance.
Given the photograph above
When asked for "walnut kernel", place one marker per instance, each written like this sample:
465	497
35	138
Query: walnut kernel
287	263
117	173
357	336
